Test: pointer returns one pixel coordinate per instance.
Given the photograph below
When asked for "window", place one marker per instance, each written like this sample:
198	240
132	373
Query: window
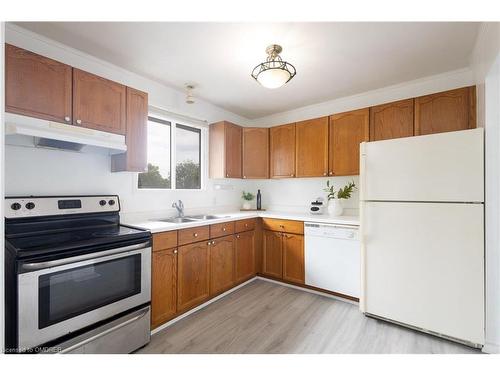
187	151
159	145
172	144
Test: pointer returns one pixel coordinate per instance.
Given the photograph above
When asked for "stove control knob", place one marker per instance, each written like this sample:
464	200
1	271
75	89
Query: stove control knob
102	202
111	202
15	206
30	205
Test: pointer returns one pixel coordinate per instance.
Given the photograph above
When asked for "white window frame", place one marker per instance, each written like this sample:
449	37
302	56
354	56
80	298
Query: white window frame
174	121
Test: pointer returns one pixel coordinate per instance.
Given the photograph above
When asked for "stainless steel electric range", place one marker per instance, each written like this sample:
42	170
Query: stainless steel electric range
76	280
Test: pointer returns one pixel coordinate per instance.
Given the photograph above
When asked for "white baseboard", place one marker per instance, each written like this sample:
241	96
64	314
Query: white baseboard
308	290
193	310
491	348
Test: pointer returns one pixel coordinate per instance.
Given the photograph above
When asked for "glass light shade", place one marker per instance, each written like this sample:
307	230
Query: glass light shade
273	78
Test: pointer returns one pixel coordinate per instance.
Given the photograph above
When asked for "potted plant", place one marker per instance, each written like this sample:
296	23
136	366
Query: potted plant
247	199
334	197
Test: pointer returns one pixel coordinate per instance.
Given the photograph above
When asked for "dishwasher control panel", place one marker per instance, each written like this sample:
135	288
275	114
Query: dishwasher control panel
332	231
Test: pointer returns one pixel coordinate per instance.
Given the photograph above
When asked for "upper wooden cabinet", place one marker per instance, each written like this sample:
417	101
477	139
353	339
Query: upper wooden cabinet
225	150
347	131
135	159
282	151
163	285
391	120
98	103
446	111
311	157
37	86
255	153
193	275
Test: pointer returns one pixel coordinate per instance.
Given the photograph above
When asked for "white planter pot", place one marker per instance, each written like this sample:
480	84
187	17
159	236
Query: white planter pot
247	205
335	207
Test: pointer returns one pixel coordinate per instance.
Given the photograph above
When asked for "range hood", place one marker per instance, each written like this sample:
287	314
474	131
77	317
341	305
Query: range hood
62	136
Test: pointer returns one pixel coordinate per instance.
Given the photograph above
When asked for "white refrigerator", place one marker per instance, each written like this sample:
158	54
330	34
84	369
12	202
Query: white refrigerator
422	233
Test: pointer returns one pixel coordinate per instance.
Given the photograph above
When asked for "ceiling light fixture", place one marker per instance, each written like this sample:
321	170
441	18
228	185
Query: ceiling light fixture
274	72
189	94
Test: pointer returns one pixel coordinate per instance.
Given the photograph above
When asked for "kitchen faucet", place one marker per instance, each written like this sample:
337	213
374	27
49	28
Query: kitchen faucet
179	206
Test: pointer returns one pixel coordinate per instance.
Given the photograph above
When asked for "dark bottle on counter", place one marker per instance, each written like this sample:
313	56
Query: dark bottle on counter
259	200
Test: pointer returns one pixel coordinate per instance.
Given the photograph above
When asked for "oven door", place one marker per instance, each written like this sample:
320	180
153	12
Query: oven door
61	296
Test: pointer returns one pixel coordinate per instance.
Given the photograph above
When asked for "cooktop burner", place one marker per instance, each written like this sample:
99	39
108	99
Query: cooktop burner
64	224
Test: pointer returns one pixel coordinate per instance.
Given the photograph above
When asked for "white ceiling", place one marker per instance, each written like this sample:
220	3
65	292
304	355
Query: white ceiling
333	60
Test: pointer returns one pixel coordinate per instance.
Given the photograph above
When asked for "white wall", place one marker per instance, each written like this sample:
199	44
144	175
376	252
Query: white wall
486	64
295	194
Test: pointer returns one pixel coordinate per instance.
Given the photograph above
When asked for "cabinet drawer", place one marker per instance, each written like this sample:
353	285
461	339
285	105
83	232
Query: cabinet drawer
244	225
190	235
164	240
222	229
279	225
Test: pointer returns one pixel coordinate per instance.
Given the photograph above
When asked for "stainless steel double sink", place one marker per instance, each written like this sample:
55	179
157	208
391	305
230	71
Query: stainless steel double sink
191	218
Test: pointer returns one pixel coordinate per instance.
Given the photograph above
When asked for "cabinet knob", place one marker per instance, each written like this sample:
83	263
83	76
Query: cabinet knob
324	174
237	236
213	242
246	224
67	119
223	229
330	173
175	251
244	176
195	234
227	174
79	121
208	243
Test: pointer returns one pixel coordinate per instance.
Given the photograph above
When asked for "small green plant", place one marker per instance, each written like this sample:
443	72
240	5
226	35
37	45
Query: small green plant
247	196
342	193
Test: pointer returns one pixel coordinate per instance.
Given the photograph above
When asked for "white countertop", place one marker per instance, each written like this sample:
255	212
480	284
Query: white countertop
155	226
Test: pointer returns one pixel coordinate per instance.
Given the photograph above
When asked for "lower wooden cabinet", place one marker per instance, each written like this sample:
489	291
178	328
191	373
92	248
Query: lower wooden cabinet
163	286
193	267
244	263
293	258
283	256
221	264
272	261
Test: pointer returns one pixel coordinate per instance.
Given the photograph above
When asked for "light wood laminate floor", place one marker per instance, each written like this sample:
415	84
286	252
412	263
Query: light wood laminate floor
264	317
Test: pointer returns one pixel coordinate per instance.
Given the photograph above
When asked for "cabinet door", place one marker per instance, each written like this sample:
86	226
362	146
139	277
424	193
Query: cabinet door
233	137
271	254
446	111
255	153
163	286
221	264
282	151
293	258
347	131
193	265
244	255
312	147
135	159
391	120
37	86
98	103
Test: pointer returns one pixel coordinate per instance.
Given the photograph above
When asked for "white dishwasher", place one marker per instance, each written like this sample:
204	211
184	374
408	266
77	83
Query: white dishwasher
332	257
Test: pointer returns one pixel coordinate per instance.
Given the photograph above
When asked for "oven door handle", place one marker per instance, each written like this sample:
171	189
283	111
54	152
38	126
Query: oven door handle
60	262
